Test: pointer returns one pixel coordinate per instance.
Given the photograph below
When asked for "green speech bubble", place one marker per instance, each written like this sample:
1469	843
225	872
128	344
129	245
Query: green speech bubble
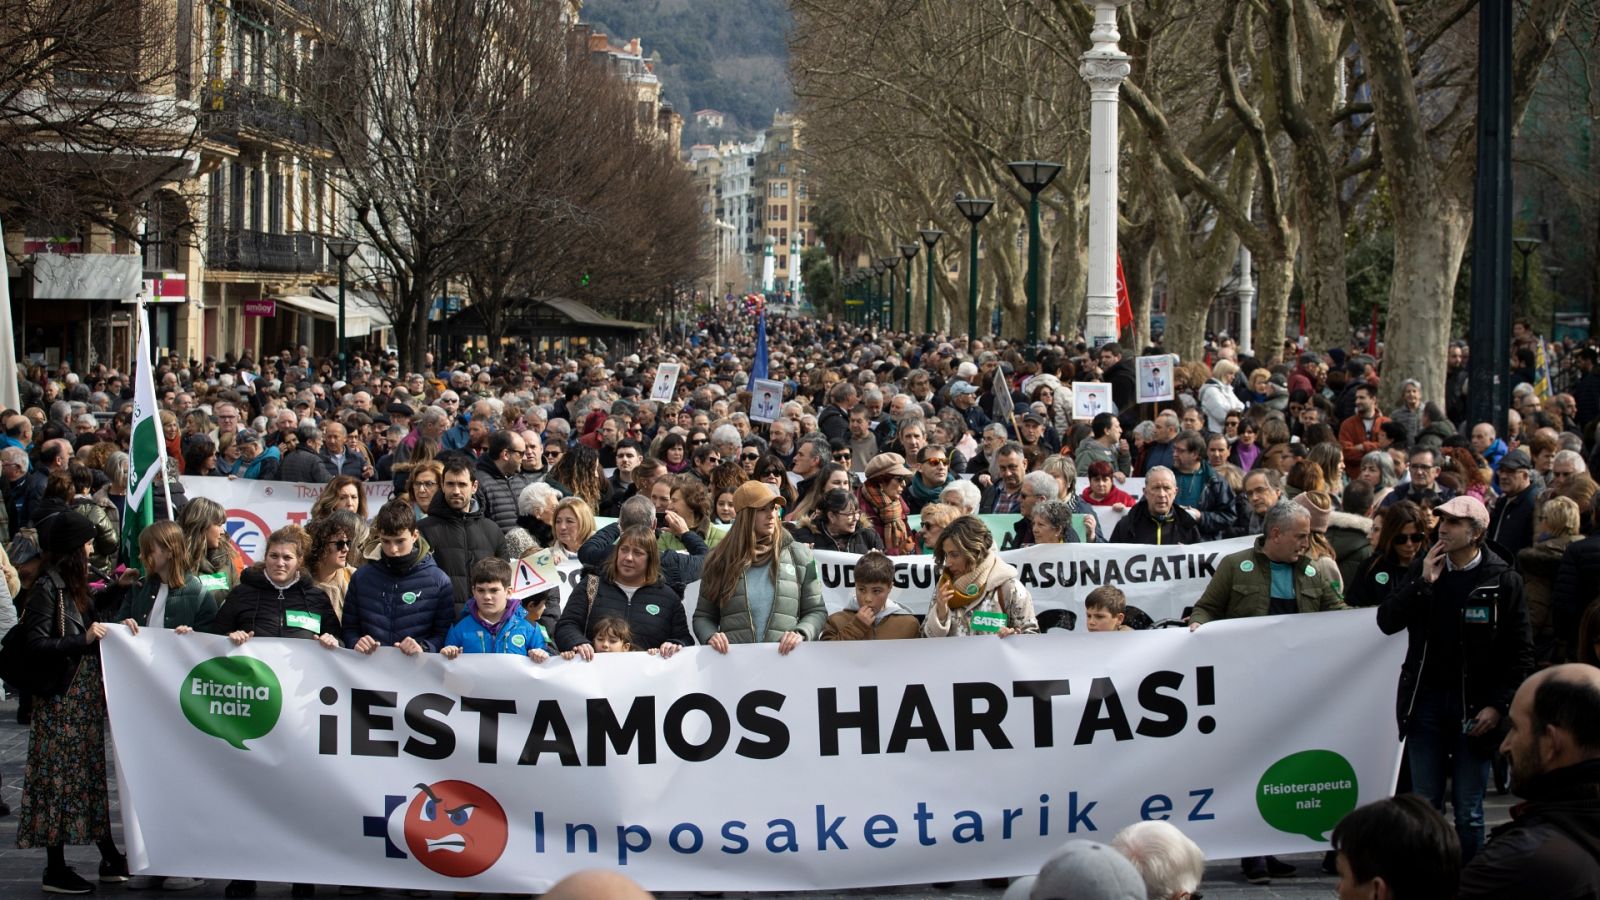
1307	793
235	698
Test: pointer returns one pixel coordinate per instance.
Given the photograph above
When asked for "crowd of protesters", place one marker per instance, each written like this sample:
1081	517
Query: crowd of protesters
1468	538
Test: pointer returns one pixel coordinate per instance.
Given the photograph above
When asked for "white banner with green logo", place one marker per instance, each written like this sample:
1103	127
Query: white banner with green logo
840	765
1161	581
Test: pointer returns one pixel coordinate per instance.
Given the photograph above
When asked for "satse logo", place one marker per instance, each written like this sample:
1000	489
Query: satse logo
454	828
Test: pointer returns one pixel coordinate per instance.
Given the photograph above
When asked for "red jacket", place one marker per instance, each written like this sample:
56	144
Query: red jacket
1358	442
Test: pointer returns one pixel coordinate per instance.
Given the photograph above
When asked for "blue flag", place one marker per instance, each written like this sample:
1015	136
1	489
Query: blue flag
758	367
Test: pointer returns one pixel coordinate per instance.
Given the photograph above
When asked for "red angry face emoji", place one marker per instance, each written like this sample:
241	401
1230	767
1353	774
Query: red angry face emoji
455	828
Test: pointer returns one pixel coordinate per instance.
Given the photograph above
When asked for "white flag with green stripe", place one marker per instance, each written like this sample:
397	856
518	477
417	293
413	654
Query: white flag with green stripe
147	451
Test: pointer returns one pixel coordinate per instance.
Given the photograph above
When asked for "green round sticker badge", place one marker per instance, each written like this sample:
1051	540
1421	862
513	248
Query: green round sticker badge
408	598
1310	571
653	609
1247	566
518	640
1382	578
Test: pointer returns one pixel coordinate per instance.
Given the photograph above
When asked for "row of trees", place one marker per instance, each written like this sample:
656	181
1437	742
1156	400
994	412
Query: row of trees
480	140
1279	125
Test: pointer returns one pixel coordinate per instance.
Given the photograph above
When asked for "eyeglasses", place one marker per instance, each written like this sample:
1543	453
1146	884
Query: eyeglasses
552	454
749	457
341	545
1422	467
695	442
1410	538
714	460
937	462
840	456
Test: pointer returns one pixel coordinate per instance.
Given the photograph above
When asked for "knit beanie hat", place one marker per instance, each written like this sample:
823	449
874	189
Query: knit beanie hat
1320	505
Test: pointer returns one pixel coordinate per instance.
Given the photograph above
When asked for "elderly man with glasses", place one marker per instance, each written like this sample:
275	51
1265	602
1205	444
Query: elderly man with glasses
1424	483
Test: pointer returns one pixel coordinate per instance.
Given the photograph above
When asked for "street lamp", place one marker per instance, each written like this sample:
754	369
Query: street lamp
889	264
1526	245
930	236
342	249
909	251
974	209
878	268
1034	176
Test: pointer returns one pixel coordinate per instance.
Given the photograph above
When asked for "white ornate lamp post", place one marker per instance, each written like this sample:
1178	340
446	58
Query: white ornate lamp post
1104	67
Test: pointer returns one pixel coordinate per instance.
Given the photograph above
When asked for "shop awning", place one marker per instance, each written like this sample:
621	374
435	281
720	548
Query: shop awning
87	276
364	313
315	307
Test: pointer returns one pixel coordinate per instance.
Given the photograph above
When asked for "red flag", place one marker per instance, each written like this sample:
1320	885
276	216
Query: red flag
1124	303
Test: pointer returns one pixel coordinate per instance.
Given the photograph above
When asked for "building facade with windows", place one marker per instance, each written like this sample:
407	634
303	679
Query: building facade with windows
783	205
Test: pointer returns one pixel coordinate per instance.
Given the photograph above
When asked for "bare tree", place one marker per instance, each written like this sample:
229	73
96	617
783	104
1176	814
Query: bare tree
1431	178
96	108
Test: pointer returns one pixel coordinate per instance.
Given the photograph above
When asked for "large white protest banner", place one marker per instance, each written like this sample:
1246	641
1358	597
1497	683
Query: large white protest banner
1162	581
837	766
258	508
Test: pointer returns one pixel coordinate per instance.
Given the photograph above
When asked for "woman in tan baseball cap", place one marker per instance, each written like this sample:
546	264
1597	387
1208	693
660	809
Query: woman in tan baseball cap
760	585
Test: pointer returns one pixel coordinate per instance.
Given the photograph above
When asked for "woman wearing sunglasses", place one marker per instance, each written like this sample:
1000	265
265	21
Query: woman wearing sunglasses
1402	532
328	563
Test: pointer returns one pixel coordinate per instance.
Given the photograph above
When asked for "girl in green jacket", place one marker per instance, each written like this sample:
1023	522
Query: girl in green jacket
760	585
169	582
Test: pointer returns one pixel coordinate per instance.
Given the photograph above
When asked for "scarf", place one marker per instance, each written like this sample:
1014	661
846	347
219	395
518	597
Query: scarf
400	565
923	494
966	589
891	520
761	552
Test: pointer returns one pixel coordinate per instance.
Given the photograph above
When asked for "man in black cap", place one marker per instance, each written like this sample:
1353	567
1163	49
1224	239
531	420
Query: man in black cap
1512	521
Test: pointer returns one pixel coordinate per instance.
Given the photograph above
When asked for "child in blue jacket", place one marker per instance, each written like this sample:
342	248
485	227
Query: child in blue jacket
402	598
491	623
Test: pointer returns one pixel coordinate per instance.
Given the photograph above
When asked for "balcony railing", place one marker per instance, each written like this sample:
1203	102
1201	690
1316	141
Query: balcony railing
244	109
261	251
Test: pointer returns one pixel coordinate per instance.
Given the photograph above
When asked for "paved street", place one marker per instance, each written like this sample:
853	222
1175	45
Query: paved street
20	869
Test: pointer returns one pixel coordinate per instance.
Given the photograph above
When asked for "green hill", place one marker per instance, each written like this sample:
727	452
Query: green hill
727	55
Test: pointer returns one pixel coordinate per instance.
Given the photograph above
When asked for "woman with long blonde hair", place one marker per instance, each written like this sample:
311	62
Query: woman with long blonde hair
760	584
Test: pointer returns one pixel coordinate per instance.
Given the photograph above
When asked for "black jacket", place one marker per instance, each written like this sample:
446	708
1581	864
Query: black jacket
1123	380
1512	521
1551	846
655	614
459	539
1376	579
677	568
1480	649
55	652
861	541
258	606
497	494
301	464
833	422
1139	526
1577	584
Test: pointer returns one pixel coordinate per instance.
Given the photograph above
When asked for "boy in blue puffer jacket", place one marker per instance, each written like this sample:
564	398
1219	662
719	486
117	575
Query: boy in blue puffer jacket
401	599
491	623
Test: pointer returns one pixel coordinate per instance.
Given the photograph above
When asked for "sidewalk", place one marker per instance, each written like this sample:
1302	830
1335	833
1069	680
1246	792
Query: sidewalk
20	870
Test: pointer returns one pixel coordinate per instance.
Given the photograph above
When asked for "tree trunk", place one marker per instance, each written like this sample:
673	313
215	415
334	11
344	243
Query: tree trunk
1138	255
1429	241
1275	283
1322	263
1186	313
